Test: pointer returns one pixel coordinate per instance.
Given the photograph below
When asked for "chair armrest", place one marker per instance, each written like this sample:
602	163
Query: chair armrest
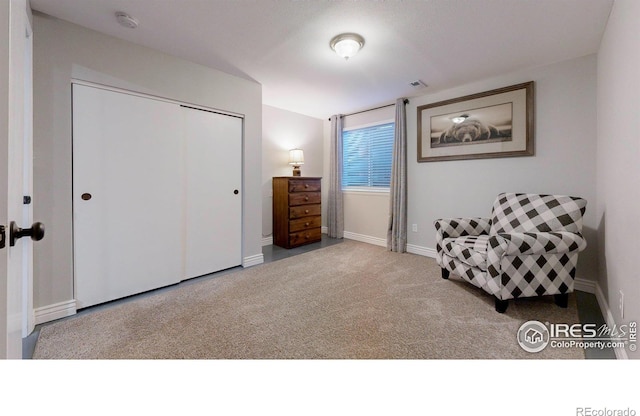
460	227
457	227
542	243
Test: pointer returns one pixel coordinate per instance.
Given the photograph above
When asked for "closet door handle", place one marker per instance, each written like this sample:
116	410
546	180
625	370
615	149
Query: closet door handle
235	192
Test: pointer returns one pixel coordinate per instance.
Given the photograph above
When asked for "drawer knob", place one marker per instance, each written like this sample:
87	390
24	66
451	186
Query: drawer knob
306	236
306	224
306	198
306	185
306	211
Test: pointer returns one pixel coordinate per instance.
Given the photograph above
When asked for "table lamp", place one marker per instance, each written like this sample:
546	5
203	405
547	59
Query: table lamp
296	158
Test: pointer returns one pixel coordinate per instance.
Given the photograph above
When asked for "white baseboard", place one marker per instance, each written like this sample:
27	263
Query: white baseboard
621	353
56	311
324	230
584	285
382	242
253	260
376	241
422	251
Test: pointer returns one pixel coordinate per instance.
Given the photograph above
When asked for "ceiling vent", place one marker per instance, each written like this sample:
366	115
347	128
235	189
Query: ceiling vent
417	84
127	21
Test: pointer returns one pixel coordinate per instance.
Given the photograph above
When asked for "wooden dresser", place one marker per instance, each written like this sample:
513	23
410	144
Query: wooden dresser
296	211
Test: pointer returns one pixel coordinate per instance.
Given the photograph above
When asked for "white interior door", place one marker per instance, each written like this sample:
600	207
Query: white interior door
4	177
214	193
128	194
13	121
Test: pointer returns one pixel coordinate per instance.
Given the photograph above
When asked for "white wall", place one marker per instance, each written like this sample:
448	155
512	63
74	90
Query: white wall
618	161
63	51
564	161
283	130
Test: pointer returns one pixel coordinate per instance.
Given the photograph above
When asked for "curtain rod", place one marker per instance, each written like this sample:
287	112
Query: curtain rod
371	109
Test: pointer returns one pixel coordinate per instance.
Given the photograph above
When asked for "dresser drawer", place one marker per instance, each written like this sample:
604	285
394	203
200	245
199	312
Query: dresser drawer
306	236
297	210
305	223
304	211
304	198
304	185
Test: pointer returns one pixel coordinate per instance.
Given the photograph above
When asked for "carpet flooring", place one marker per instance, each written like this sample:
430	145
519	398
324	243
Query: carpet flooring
347	301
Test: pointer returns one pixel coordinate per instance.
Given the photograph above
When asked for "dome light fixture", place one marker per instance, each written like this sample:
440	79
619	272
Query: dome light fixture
126	20
346	45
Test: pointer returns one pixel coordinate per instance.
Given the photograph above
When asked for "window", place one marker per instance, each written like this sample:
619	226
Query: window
366	157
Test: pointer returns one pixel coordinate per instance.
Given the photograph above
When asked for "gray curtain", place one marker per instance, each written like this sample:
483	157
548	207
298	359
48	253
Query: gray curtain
397	231
335	211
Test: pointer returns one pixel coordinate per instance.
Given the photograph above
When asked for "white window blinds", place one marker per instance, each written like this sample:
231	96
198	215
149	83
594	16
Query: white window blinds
366	157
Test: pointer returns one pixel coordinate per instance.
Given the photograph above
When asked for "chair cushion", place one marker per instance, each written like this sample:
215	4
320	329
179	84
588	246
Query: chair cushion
521	213
471	250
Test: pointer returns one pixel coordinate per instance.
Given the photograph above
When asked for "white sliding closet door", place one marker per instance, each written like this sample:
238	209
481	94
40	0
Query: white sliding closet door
214	194
128	194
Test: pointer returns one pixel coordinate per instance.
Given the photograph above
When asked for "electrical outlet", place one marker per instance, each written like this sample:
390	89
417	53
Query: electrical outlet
621	304
414	228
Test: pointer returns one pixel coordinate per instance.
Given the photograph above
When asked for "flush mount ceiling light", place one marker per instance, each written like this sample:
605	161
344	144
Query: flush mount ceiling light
347	44
126	20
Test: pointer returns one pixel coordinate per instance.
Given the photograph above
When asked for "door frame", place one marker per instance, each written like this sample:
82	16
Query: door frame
28	319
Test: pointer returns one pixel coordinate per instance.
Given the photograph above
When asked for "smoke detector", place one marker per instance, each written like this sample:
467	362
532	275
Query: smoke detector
126	20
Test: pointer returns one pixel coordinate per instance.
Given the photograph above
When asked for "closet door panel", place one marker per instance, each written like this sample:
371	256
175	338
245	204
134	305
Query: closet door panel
214	193
128	196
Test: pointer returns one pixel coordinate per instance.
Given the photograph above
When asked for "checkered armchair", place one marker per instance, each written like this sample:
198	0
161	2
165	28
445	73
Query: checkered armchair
529	247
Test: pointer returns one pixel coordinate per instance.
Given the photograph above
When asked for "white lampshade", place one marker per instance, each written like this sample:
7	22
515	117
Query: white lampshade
347	45
296	157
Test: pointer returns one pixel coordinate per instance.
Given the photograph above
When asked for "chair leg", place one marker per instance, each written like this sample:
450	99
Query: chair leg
562	300
501	305
445	273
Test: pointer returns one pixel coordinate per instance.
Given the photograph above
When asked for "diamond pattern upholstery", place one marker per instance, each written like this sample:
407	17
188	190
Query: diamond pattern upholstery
471	250
528	247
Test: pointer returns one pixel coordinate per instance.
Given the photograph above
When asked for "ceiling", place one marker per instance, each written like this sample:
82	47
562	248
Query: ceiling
284	45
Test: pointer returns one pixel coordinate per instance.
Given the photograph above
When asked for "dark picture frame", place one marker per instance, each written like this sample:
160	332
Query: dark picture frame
496	123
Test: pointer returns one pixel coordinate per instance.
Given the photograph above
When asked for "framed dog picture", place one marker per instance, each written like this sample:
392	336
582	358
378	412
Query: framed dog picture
497	123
